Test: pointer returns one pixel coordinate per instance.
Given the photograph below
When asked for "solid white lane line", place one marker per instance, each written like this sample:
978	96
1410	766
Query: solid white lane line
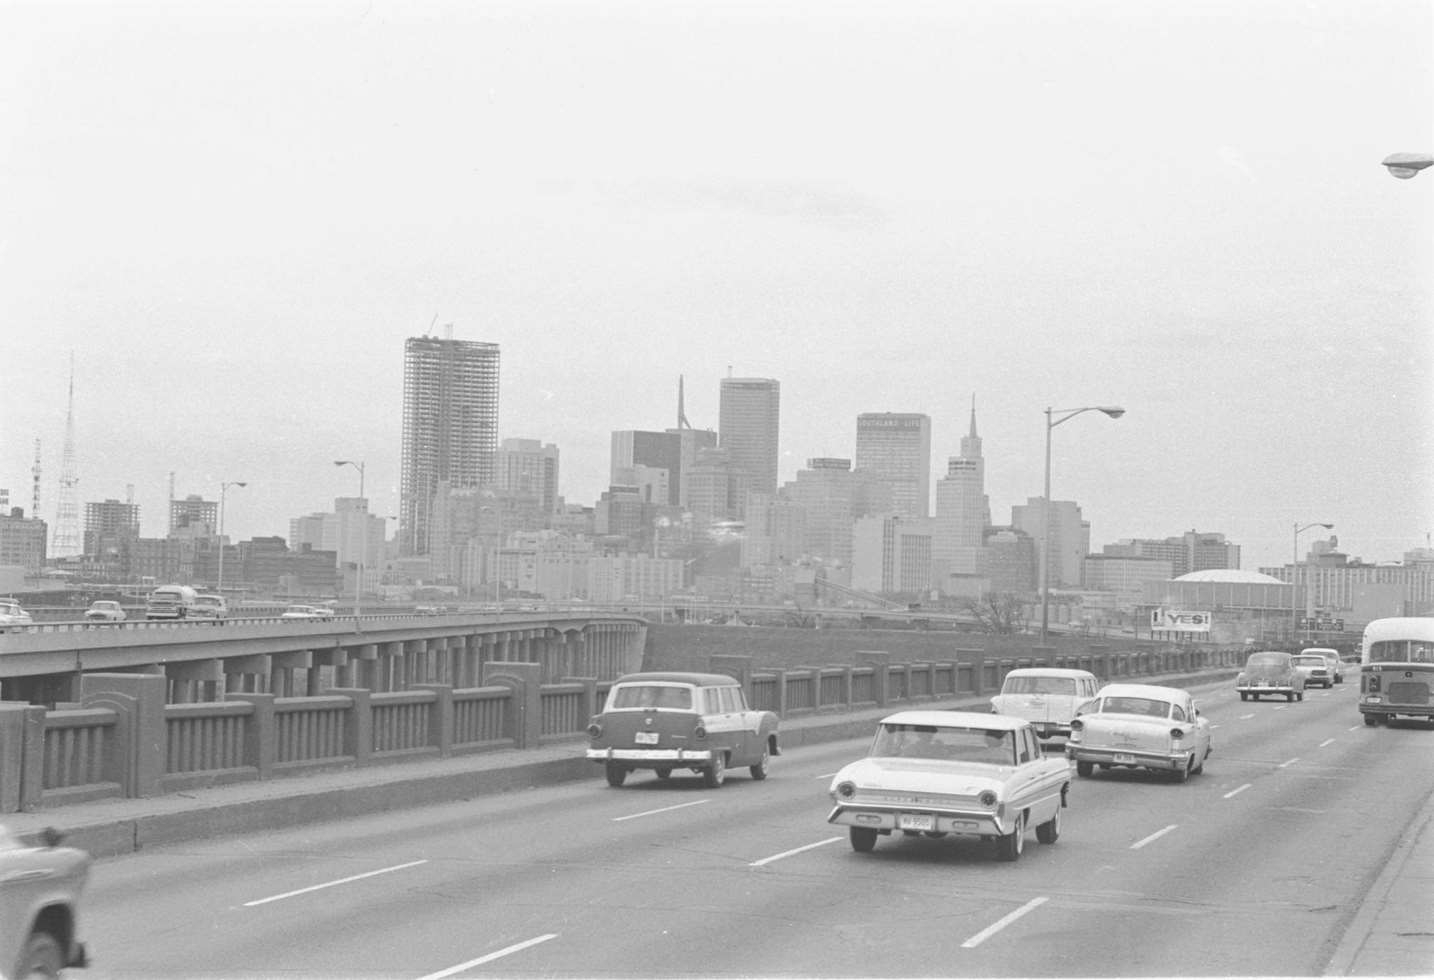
666	809
1354	728
505	951
1325	742
1245	717
1002	923
795	850
826	775
330	884
1288	762
1155	836
1237	789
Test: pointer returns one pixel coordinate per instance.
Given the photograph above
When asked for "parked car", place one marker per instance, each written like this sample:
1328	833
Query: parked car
302	612
1336	665
1314	668
12	615
105	611
674	720
1140	726
1270	672
210	607
40	888
935	773
1047	697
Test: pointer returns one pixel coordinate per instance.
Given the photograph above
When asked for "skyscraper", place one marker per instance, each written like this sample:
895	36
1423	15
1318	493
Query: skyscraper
747	428
450	427
963	511
896	446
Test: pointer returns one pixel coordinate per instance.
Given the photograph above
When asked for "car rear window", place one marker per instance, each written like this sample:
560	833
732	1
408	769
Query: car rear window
1039	685
1266	660
652	696
1136	706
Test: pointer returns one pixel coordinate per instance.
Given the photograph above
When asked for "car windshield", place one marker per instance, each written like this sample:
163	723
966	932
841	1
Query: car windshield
995	746
1310	661
1136	706
1039	685
652	696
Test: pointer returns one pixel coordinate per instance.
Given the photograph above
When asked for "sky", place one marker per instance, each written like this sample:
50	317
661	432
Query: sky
231	215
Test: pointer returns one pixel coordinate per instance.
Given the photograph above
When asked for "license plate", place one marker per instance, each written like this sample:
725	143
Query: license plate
915	821
1122	759
645	738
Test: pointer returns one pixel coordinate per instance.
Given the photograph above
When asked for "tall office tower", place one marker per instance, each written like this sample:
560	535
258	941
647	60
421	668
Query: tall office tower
824	491
1070	537
108	523
747	428
963	511
633	448
896	446
450	427
529	468
193	516
891	554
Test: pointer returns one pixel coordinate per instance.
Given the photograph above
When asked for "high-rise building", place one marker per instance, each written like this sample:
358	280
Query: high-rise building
193	516
824	491
632	448
108	523
963	511
22	541
891	553
450	427
896	446
527	467
747	428
1069	538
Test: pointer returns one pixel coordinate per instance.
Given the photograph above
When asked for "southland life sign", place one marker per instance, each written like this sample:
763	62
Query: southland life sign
1179	621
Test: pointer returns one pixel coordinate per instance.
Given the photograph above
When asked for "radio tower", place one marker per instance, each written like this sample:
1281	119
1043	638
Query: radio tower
35	483
67	513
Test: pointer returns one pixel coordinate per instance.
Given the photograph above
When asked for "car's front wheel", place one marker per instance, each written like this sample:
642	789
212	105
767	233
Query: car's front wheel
1371	720
759	770
1011	846
1084	768
863	839
42	957
1048	832
616	774
716	773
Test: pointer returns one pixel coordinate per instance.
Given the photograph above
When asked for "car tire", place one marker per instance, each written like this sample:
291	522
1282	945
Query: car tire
1300	696
663	772
615	774
1084	768
863	839
1050	831
1010	846
716	773
42	957
759	771
1244	696
1371	720
1182	775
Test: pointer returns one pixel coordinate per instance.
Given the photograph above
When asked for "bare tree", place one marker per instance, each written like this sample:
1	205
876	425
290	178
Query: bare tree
997	612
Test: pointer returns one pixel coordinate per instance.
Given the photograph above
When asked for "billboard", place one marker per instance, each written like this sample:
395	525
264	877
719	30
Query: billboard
1179	621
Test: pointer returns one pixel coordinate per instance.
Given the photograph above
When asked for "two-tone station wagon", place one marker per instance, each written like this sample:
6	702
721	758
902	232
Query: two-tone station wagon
671	720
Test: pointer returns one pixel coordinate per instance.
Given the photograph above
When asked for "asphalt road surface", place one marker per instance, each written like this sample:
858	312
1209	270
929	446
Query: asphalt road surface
1253	868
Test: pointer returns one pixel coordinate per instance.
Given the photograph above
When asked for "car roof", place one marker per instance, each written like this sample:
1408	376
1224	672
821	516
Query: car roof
1320	650
1142	691
1048	672
956	719
678	677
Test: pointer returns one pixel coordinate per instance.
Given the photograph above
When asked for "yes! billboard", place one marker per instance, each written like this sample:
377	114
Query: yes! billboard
1179	621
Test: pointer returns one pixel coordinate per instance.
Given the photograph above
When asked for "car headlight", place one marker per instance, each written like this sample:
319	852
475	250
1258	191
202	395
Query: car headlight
846	789
987	798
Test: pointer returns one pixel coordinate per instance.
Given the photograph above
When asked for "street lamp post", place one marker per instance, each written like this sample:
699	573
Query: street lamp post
363	533
1407	165
1066	414
224	489
1294	566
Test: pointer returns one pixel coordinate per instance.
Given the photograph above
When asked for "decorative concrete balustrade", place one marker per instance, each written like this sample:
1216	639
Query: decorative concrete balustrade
123	738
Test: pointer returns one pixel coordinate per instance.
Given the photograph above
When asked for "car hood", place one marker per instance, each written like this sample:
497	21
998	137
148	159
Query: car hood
931	775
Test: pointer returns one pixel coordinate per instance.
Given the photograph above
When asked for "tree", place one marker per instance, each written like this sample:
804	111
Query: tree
997	612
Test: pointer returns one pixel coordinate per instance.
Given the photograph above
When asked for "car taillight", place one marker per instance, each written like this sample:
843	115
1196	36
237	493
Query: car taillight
699	731
594	730
1373	683
846	789
1077	724
1176	734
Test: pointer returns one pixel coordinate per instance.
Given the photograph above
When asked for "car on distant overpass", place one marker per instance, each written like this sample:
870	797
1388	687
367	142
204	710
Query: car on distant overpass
11	614
105	611
306	612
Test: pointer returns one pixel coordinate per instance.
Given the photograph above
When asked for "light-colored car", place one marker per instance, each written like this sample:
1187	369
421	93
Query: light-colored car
302	612
1270	672
1336	664
208	606
935	773
105	611
11	614
1047	697
40	888
1314	668
668	720
1140	726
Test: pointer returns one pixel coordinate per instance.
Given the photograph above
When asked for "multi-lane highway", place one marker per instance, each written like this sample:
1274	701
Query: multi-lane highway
1253	868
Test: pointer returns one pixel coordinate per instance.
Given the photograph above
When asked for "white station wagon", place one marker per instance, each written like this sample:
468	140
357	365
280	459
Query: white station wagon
1047	697
1140	726
935	773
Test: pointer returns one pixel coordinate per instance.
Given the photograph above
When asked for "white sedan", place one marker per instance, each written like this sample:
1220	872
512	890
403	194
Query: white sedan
1140	726
305	612
105	611
935	773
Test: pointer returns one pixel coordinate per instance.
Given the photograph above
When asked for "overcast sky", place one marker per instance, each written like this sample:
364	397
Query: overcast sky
234	214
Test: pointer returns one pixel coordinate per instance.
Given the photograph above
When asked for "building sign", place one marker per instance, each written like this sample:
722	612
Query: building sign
1179	621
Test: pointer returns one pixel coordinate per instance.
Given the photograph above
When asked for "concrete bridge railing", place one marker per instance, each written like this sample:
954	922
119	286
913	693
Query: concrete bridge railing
123	739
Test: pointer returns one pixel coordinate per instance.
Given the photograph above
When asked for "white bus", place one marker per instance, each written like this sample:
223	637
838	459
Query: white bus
1396	669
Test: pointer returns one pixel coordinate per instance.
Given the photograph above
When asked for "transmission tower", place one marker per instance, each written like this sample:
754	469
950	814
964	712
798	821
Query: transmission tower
67	513
35	483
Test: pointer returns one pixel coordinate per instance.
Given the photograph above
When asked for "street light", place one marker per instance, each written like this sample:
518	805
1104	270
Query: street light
1294	565
1407	165
1066	414
224	489
363	533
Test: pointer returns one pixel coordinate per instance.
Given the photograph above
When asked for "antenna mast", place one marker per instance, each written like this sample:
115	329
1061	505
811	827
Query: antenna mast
67	512
35	483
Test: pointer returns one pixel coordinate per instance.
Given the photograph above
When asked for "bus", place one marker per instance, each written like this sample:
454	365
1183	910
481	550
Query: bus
1396	669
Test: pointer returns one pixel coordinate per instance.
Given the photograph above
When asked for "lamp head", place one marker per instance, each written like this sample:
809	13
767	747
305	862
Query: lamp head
241	483
1406	165
1114	411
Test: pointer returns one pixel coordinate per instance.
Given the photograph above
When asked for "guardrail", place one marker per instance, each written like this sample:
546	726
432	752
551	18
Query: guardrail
122	740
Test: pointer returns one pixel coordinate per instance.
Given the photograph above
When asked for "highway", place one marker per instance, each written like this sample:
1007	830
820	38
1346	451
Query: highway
1252	869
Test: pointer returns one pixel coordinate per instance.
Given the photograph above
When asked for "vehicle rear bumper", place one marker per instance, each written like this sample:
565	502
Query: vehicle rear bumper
1146	760
1265	689
650	757
1425	711
879	817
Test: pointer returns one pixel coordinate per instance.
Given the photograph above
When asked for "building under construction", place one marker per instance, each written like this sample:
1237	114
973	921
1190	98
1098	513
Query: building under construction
450	427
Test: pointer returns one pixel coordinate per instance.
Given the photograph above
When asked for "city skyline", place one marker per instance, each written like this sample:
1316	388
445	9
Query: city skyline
887	209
